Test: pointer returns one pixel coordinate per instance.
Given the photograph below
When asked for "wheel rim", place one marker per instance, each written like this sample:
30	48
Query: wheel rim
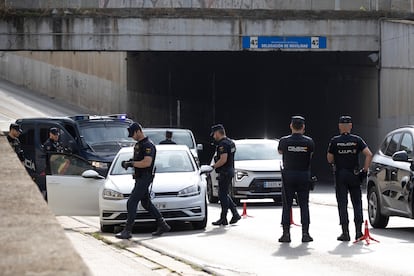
372	206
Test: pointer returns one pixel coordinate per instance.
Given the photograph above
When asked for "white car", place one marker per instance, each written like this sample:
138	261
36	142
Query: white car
178	190
257	165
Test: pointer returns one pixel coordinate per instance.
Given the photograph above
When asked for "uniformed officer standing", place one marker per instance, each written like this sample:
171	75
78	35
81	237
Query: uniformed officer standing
343	154
53	144
168	139
297	150
13	138
143	163
224	166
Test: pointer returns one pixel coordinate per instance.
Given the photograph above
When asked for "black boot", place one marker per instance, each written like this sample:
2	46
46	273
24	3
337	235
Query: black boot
124	235
286	234
358	231
162	227
221	221
305	234
236	217
345	233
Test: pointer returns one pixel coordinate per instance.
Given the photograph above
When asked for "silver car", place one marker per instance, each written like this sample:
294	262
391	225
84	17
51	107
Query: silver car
257	172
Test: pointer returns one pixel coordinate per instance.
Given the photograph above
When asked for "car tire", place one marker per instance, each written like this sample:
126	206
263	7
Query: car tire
376	219
107	228
210	195
201	225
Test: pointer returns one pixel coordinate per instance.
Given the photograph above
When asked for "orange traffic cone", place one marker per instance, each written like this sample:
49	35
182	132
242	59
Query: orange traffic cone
291	218
245	215
366	237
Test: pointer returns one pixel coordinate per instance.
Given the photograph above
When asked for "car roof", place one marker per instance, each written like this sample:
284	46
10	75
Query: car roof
255	141
165	129
158	147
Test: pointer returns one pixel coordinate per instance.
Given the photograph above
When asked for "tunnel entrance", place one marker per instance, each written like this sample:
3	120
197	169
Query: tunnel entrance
254	94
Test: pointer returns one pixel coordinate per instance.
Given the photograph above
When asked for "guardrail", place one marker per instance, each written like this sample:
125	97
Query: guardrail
344	5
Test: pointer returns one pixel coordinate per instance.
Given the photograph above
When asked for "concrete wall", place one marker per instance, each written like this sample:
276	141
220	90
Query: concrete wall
399	5
93	80
397	74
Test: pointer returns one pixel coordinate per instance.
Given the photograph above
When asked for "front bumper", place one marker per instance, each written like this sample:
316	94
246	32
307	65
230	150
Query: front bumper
259	188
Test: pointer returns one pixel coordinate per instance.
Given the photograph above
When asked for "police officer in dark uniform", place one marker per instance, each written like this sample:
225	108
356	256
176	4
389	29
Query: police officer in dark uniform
224	166
343	154
297	150
53	144
13	138
168	139
143	163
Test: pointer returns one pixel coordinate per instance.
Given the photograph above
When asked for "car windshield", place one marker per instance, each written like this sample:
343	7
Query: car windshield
167	161
103	132
257	151
179	137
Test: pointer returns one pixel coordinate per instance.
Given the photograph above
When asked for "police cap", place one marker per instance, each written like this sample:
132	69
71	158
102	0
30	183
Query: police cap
15	127
216	128
132	128
298	120
345	119
54	130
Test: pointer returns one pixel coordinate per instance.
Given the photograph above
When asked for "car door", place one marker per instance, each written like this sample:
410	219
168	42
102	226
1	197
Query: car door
73	186
399	188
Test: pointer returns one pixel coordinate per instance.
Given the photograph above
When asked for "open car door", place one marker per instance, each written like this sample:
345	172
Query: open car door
73	186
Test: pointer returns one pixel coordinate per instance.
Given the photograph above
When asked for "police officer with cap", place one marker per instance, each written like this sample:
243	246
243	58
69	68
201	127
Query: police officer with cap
224	166
168	139
53	144
343	154
143	163
13	138
297	150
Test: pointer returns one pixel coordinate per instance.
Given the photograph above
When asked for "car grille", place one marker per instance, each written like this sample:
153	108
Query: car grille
257	186
168	194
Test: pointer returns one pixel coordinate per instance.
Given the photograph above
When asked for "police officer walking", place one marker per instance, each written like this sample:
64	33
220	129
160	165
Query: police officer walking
297	150
13	138
224	166
343	154
143	164
168	139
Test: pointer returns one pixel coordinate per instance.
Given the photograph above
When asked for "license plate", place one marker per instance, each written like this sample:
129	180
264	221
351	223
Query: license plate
158	205
272	184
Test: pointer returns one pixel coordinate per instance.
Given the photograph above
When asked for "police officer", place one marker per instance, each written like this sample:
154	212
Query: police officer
297	150
53	144
143	164
13	138
224	166
343	154
168	139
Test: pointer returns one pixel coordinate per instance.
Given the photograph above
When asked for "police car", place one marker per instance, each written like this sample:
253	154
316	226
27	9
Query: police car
178	190
91	139
257	172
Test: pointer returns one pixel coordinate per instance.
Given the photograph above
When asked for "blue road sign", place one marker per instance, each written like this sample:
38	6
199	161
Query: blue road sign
284	42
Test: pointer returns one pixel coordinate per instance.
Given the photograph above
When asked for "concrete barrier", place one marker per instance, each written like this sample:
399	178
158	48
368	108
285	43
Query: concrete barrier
32	241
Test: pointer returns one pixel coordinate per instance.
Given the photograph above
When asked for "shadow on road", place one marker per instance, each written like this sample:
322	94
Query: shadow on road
350	249
287	251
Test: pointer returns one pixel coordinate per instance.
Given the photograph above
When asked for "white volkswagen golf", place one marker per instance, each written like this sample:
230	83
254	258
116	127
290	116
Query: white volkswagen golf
178	190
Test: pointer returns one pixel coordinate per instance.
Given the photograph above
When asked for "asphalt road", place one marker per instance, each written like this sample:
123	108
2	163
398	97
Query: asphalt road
250	247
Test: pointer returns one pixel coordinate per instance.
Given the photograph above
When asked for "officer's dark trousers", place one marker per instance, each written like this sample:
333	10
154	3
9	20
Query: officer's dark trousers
296	182
346	181
140	193
226	202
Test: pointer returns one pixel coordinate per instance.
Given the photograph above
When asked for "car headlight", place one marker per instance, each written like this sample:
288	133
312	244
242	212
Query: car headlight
112	194
240	175
190	191
99	165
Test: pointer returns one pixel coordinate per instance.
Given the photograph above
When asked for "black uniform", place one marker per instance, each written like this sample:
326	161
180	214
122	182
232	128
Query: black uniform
297	150
15	144
226	174
168	142
53	146
143	179
346	149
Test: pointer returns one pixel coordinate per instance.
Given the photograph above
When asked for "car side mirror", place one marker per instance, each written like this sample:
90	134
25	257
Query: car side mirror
401	156
92	174
200	147
206	169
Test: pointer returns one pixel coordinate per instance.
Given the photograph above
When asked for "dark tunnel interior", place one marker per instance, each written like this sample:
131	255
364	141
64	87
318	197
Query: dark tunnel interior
254	94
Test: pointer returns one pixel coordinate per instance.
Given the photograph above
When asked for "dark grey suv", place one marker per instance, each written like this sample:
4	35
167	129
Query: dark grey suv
390	184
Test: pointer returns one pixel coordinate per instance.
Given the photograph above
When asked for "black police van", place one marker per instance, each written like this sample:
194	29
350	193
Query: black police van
89	139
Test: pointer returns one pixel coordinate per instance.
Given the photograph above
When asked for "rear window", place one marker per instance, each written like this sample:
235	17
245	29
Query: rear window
179	137
257	151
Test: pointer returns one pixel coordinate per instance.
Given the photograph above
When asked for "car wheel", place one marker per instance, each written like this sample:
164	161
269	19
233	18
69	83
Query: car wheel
376	219
200	225
211	197
107	228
